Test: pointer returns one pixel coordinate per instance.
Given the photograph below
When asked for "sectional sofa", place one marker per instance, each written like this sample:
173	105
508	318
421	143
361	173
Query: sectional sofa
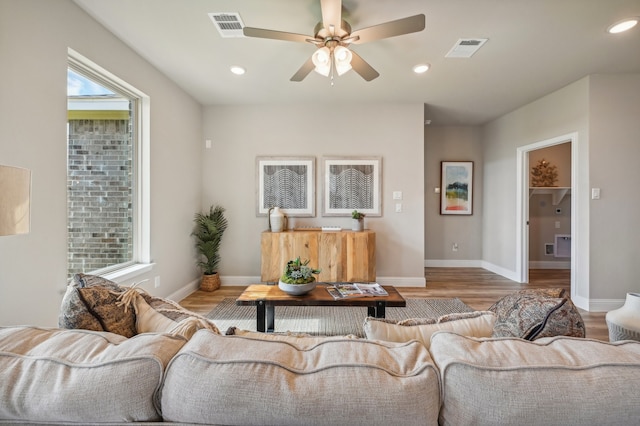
123	356
60	376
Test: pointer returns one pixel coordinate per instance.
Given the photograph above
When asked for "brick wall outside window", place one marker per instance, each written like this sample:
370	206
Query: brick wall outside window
100	228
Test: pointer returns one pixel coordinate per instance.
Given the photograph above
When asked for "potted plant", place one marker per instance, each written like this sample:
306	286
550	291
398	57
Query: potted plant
357	221
297	277
208	233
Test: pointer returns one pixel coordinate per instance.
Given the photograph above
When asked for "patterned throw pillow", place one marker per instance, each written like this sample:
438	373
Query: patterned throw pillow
532	314
90	303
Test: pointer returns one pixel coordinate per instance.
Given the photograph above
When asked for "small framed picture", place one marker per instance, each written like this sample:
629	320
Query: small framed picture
286	182
456	188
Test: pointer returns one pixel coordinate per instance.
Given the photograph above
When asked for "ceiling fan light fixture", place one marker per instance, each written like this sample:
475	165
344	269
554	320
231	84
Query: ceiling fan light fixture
342	57
623	25
322	60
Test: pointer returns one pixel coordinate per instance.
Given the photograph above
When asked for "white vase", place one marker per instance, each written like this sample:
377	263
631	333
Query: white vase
276	219
357	224
624	322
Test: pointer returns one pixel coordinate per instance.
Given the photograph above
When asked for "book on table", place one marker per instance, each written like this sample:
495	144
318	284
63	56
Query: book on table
351	290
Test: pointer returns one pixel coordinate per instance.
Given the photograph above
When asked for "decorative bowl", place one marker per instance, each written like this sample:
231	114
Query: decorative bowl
297	289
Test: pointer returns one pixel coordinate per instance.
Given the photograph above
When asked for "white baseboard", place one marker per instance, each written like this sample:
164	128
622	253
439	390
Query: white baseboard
547	264
605	305
442	263
403	281
184	291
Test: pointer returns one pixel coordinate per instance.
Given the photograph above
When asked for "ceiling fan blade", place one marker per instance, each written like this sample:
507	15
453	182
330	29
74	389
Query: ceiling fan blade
331	13
412	24
360	66
275	35
304	71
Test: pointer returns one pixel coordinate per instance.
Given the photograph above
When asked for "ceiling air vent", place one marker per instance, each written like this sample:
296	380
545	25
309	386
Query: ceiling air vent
228	24
466	47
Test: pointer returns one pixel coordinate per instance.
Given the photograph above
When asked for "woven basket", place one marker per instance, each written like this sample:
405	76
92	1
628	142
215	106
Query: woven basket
210	282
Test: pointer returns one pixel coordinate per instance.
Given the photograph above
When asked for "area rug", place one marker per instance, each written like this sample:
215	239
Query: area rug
327	320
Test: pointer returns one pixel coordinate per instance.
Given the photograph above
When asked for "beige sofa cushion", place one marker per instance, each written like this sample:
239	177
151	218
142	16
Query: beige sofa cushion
252	381
66	376
476	324
554	380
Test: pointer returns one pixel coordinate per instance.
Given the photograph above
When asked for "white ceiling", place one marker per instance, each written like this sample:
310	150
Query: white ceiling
534	48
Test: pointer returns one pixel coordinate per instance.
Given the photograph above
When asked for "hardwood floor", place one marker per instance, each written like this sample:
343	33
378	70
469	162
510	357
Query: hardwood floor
476	287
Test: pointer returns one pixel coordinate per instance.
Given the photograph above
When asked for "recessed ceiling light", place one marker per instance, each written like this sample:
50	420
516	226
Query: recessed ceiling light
622	26
238	70
421	68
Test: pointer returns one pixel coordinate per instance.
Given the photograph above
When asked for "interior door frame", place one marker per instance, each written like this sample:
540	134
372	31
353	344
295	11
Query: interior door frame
522	198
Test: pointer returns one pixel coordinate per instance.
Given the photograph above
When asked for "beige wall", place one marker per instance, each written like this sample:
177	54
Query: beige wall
559	113
614	131
603	111
442	231
394	132
34	38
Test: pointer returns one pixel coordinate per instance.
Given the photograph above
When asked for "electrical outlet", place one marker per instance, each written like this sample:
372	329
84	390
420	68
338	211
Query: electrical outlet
398	207
454	247
156	282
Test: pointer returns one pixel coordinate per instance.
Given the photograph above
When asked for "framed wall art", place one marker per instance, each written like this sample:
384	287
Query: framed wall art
456	187
286	182
351	183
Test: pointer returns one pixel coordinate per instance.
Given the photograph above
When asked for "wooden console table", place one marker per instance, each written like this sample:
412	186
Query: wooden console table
343	256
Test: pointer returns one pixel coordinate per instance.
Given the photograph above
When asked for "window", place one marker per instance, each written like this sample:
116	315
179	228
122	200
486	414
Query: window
107	168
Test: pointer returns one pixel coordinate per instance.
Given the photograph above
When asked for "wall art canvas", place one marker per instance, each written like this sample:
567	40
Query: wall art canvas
456	187
352	183
288	183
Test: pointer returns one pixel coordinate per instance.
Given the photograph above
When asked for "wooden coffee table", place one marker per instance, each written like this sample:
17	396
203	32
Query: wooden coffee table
266	297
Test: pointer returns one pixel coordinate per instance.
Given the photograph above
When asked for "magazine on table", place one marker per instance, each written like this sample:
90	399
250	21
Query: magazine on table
351	290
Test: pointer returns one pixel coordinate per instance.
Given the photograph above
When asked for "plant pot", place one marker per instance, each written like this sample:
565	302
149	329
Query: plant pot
297	289
210	282
357	224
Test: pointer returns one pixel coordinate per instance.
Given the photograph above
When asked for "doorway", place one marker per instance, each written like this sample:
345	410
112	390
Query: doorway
523	200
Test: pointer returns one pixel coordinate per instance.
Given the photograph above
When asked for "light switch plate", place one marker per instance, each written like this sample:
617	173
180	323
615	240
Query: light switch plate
397	195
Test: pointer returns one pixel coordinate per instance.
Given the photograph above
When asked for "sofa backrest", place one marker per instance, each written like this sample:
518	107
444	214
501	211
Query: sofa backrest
263	379
555	380
80	376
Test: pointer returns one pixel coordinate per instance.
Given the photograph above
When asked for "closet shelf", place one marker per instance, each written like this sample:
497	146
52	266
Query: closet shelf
557	192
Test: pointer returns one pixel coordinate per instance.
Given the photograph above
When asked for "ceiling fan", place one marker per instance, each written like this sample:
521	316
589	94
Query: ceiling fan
332	38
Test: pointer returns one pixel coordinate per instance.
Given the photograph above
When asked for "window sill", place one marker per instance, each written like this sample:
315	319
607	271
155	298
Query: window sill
129	272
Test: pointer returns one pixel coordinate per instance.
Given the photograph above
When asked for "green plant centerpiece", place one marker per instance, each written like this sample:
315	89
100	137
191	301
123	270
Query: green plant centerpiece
357	215
357	221
297	278
208	233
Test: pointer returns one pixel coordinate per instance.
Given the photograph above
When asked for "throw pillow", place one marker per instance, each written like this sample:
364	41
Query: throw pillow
473	324
533	313
90	303
148	320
